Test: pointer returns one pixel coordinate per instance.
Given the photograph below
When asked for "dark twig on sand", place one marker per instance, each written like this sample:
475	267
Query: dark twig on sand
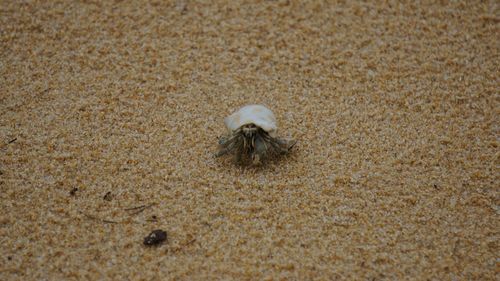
138	209
97	219
108	196
135	208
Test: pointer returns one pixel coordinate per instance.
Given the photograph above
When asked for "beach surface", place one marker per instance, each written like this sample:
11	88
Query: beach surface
110	113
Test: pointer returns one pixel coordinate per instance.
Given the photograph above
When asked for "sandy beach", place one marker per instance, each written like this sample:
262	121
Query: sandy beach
110	112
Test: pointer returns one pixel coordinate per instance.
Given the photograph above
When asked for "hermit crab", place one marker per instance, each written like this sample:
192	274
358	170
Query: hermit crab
252	136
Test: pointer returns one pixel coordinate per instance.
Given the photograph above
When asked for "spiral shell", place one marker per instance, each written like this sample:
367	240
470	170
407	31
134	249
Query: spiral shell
258	115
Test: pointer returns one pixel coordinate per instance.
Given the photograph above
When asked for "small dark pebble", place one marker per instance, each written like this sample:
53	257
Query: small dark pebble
73	191
9	258
154	217
156	237
108	196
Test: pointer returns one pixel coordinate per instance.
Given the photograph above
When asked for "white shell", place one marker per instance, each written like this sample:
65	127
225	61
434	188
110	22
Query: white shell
256	114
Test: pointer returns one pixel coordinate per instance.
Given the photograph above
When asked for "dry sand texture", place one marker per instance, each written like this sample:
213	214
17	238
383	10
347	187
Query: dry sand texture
395	106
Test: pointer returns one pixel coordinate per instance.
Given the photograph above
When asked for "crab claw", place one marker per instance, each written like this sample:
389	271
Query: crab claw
260	150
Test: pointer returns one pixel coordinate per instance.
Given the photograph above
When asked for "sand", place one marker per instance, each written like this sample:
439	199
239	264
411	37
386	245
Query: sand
107	106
